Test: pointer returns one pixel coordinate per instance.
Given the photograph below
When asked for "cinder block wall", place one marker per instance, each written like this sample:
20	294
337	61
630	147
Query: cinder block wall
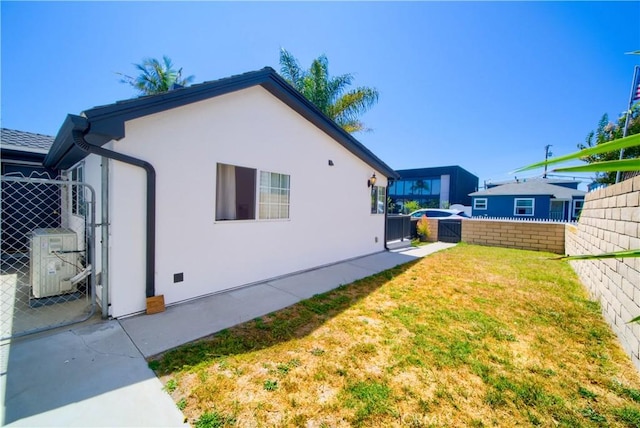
524	235
433	228
610	221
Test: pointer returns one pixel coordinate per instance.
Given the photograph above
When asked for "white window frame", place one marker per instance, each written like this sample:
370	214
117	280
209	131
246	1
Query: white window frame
575	203
475	203
283	204
515	207
378	200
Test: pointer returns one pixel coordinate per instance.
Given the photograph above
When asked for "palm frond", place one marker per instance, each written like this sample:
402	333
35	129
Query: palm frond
328	93
604	166
317	83
337	85
156	76
354	103
290	69
614	255
636	319
615	145
354	126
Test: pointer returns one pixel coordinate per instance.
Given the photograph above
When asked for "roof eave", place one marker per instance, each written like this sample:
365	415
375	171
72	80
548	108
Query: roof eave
108	122
21	149
64	153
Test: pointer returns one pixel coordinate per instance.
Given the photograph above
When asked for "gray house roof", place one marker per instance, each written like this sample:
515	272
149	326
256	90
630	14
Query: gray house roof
11	139
105	123
540	180
531	188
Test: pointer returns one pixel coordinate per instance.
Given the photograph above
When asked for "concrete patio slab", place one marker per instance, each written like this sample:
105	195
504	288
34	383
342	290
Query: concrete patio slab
88	377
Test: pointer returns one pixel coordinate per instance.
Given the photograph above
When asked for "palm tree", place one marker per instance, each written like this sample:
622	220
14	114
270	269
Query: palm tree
328	93
156	76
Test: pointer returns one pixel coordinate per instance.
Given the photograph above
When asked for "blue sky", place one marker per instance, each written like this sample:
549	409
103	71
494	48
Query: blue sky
482	85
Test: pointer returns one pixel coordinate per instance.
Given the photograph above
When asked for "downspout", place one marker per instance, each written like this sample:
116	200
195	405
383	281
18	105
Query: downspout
386	212
82	144
104	195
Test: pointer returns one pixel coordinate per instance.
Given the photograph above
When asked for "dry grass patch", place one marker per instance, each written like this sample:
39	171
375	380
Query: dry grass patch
472	336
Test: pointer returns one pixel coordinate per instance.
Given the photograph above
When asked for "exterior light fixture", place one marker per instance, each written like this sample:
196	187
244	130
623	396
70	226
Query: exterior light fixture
372	181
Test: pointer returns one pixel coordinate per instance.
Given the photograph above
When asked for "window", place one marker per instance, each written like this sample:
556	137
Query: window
392	187
378	200
436	213
435	186
236	194
418	187
524	206
274	195
76	192
397	188
577	207
421	187
480	204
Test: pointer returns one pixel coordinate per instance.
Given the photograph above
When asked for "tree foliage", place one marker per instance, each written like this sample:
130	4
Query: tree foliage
156	76
609	131
422	227
411	206
329	93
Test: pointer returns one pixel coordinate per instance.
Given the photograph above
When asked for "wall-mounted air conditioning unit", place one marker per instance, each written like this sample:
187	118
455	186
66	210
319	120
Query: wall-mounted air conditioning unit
54	261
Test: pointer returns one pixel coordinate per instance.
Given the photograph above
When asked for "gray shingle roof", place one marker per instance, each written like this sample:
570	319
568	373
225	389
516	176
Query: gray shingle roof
25	141
536	179
530	188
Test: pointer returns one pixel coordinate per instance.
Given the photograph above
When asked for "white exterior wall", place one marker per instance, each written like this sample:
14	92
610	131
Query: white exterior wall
329	221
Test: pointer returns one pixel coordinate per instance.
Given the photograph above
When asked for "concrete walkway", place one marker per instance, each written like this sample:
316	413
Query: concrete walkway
92	376
97	375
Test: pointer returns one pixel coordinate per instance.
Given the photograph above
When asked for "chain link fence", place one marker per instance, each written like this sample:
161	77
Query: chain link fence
47	274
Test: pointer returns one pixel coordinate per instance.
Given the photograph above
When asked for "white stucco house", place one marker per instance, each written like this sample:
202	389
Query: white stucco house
220	185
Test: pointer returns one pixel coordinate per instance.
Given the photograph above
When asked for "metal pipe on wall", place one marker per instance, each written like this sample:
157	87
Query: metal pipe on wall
104	276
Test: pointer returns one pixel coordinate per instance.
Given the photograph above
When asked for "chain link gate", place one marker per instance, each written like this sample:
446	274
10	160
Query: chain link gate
47	269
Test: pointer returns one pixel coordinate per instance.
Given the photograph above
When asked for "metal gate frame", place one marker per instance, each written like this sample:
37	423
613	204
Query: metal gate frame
89	202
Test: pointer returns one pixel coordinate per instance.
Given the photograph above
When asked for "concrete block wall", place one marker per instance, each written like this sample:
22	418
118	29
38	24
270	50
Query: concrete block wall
610	221
433	229
524	235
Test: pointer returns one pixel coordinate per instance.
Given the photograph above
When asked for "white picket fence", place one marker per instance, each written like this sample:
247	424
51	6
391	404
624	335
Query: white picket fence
522	219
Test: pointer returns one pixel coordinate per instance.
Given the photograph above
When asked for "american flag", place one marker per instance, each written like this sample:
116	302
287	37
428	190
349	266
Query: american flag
637	94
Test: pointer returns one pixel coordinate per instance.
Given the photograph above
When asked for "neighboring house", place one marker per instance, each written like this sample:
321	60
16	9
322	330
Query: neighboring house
21	154
531	199
220	185
437	187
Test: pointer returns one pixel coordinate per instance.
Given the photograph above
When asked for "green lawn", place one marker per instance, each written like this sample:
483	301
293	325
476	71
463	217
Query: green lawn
472	336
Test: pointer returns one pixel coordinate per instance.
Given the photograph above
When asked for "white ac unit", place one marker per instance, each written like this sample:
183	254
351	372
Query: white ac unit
54	261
